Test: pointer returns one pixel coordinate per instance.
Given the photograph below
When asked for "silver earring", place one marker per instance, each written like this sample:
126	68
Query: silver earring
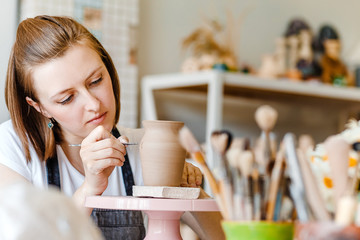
50	124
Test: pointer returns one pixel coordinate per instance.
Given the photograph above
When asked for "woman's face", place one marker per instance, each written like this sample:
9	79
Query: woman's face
76	91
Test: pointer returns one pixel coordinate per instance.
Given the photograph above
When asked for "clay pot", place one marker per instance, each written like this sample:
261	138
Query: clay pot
162	156
326	231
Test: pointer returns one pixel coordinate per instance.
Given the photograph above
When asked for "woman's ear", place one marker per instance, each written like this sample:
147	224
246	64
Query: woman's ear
37	107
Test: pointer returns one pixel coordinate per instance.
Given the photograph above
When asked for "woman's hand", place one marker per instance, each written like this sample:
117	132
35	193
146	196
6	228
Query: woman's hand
100	153
192	176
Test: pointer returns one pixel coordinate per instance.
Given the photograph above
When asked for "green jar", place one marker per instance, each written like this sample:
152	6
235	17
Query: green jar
258	230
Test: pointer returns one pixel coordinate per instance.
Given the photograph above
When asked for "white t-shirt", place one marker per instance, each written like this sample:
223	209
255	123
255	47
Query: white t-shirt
13	156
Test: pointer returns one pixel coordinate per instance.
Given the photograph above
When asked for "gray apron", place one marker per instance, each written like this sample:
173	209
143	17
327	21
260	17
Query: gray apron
114	224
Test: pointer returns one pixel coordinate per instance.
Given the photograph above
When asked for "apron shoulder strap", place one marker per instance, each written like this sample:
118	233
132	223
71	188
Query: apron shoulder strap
52	172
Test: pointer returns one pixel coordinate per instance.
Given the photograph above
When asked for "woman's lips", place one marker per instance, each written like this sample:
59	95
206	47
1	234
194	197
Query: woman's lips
98	120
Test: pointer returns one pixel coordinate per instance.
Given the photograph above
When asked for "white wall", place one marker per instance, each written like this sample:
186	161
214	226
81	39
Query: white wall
164	23
8	15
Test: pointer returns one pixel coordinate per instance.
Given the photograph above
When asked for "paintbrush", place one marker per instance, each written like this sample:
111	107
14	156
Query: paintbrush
220	142
232	155
306	143
315	200
347	206
338	156
265	117
275	179
346	210
297	188
245	164
256	193
191	145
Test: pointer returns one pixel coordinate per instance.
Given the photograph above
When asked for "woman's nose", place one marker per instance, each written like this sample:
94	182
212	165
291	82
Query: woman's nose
92	103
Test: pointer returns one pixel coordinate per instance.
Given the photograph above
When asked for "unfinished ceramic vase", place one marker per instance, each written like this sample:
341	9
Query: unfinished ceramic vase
162	156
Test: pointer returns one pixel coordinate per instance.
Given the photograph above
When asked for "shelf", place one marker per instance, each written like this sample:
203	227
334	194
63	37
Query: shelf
219	84
311	89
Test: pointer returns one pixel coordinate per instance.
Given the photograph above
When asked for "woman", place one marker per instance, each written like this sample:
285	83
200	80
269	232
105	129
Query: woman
62	89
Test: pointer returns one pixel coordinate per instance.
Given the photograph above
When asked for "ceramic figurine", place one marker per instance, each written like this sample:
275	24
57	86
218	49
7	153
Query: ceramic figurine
280	55
162	156
298	35
334	70
191	64
293	43
207	61
305	51
295	26
268	68
306	64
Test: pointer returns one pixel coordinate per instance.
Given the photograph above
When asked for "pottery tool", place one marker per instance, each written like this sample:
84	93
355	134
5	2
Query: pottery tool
357	213
315	200
220	142
125	144
256	193
297	188
232	155
280	197
345	210
191	145
338	156
275	179
245	164
306	143
347	206
166	192
287	209
265	117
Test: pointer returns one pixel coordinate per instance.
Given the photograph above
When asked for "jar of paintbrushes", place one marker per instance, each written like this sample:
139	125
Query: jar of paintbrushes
249	183
259	206
288	190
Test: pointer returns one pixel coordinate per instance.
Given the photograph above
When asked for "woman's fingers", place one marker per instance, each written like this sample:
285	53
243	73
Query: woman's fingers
192	176
107	143
97	167
101	152
106	153
198	176
99	133
123	139
184	178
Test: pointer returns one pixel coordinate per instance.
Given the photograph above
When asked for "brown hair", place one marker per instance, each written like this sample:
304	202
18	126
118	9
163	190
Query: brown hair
39	40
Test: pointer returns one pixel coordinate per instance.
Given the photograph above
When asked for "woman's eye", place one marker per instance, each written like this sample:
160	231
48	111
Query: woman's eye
96	81
67	100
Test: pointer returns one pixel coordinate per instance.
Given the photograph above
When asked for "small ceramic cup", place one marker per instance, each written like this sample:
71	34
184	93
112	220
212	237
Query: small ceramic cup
258	230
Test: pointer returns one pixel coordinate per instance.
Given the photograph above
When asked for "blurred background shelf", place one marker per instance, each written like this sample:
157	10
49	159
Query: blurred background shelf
331	102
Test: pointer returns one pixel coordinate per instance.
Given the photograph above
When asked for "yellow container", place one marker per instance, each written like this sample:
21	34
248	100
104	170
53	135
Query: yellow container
258	230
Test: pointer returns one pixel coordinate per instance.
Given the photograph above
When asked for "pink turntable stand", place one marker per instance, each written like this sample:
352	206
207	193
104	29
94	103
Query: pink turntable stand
163	214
